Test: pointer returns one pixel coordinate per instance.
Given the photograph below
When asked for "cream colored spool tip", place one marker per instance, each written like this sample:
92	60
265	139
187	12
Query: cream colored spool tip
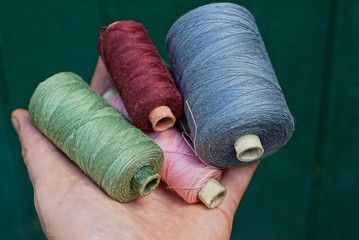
161	118
212	193
248	148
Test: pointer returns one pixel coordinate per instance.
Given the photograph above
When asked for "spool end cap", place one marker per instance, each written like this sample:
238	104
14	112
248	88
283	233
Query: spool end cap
161	118
212	193
145	181
248	148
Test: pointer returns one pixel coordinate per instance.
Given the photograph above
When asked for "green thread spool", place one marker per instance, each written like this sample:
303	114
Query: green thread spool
118	157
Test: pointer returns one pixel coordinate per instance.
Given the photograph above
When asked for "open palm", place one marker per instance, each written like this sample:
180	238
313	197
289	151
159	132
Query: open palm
71	206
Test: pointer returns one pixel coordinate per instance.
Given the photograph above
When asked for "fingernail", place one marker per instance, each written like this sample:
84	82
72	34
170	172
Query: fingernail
15	123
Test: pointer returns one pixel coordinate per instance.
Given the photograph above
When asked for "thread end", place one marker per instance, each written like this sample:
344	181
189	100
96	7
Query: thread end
145	181
212	193
161	118
248	148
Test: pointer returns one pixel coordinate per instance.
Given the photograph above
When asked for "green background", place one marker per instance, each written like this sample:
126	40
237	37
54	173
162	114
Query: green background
307	190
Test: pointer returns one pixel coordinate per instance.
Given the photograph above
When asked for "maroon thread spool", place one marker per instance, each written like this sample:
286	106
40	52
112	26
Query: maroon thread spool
140	76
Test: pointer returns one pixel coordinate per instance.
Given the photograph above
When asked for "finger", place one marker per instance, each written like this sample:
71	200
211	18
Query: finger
59	186
44	162
101	78
236	181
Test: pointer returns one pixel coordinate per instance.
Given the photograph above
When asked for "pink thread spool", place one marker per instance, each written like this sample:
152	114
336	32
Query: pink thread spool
182	170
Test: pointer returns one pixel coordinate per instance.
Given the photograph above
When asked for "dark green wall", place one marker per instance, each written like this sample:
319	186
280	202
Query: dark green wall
308	190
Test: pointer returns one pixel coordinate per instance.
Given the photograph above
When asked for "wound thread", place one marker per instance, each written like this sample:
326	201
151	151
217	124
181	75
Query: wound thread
139	75
229	87
118	157
182	171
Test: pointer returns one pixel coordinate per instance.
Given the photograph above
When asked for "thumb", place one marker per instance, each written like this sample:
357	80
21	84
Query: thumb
236	181
44	162
101	78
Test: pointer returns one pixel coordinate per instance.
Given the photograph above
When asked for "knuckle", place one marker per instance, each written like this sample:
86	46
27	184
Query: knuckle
30	149
26	155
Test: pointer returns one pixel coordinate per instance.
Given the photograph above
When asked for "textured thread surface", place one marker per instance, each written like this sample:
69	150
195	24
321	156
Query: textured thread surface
138	72
228	84
93	134
182	171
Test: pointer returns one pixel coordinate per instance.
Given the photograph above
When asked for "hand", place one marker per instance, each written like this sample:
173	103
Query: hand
71	206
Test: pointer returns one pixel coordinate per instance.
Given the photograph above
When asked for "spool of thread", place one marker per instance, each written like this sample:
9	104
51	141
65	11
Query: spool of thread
118	157
182	170
140	76
234	105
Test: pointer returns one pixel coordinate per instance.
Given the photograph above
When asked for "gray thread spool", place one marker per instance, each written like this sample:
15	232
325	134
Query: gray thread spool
228	84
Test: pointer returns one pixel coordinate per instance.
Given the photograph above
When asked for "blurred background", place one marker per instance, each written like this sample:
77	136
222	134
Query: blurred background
307	190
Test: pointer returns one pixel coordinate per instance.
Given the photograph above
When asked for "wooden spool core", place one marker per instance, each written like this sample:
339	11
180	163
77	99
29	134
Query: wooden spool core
161	118
212	193
248	148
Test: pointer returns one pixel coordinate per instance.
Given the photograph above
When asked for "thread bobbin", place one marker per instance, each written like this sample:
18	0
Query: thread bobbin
118	157
212	193
248	148
217	50
145	83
